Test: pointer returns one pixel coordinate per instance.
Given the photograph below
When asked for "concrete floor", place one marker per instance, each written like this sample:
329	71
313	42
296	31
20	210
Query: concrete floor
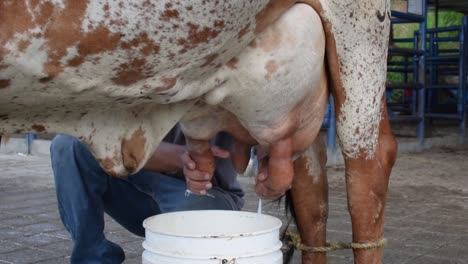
426	216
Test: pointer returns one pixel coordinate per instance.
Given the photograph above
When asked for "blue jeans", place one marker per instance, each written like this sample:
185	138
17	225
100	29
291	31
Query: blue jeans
85	192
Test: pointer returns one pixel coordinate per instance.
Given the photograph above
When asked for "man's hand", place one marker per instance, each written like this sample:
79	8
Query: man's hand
199	181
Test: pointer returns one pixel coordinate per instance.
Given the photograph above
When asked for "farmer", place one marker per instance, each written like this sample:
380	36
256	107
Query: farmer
85	192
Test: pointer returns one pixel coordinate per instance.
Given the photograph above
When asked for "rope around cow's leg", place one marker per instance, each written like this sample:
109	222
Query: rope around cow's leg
297	244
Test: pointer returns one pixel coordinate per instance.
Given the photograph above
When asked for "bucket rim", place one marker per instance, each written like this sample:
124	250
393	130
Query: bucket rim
277	226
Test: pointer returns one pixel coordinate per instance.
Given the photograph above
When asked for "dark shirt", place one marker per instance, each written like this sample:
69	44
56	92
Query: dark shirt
225	176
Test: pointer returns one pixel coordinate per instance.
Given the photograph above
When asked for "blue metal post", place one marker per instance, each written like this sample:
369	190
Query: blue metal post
463	73
405	80
405	68
422	74
331	132
414	104
29	139
432	72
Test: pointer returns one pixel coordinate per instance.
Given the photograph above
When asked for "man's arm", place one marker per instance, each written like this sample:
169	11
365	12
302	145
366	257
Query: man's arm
166	158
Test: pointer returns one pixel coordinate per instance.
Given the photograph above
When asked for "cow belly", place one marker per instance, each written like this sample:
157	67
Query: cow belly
114	72
126	80
275	89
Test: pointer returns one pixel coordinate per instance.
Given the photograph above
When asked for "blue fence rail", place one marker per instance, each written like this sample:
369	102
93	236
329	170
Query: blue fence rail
448	62
425	68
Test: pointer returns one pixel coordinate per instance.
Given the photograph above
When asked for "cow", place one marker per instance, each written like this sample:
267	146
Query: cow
120	74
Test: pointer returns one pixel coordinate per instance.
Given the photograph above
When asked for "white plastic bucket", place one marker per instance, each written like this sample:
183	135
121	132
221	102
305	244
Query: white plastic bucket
214	237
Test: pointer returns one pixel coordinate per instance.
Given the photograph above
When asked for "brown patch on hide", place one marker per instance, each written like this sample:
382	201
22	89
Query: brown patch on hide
38	128
380	16
45	13
271	41
23	45
253	44
98	41
209	59
5	83
106	9
13	19
66	32
273	10
45	80
199	35
147	45
243	31
219	23
271	67
232	63
61	30
168	84
169	13
108	165
130	73
133	150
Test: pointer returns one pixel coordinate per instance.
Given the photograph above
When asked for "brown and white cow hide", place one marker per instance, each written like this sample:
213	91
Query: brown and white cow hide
120	74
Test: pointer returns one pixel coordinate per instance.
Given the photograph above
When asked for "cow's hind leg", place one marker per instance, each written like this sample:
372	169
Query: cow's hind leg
357	34
367	183
310	199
